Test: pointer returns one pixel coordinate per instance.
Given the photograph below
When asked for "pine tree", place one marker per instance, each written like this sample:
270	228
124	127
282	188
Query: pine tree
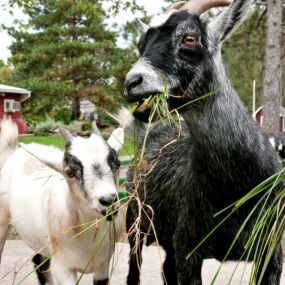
5	73
67	52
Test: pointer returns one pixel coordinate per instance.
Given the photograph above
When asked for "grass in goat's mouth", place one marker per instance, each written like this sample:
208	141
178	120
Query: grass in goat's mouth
159	112
156	104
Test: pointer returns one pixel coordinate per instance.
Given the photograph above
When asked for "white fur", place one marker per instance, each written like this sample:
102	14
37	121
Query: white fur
10	134
123	117
116	138
272	141
50	213
159	20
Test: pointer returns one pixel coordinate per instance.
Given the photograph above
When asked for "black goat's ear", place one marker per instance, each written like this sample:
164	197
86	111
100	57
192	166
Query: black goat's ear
141	25
228	21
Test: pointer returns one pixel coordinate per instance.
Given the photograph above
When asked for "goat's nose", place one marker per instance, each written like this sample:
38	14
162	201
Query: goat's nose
132	82
108	200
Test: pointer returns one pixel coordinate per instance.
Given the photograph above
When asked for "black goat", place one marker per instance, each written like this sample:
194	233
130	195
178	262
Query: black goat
225	156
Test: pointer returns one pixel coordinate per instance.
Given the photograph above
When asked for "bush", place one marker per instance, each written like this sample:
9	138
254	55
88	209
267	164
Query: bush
50	126
47	127
63	115
31	121
86	125
74	127
103	116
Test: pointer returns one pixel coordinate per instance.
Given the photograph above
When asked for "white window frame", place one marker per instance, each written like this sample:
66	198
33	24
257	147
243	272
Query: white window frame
10	101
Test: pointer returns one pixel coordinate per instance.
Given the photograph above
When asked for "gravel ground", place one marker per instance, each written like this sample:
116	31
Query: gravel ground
16	265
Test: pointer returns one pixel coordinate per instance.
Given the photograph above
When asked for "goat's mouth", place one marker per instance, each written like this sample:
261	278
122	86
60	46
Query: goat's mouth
110	213
142	109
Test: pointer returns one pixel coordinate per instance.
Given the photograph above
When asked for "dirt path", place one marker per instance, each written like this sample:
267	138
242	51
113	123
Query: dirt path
16	265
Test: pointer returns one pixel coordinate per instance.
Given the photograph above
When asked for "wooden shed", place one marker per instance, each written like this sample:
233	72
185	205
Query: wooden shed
258	116
10	104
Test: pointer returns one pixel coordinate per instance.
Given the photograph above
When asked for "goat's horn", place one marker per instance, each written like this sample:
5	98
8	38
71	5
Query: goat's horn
199	7
68	137
176	6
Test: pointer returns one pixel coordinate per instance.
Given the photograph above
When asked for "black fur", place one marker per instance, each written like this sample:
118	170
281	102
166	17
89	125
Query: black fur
43	271
98	170
101	282
113	160
74	165
224	157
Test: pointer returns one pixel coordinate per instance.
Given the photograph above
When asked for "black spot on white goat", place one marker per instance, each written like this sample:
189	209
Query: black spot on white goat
225	156
57	201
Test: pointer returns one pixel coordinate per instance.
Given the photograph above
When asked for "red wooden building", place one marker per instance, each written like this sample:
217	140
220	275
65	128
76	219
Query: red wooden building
10	104
258	116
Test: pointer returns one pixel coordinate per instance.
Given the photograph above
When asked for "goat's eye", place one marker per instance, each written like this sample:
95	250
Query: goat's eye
69	174
190	40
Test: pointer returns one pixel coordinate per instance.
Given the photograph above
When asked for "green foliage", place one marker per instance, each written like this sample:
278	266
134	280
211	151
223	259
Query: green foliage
47	127
50	126
128	148
62	114
116	5
32	121
132	5
104	117
66	52
86	125
5	73
74	127
244	54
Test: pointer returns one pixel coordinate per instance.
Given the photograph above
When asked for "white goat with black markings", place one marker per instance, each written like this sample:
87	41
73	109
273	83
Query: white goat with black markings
57	201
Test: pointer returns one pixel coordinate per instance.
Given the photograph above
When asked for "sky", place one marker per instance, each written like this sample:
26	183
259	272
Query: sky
151	6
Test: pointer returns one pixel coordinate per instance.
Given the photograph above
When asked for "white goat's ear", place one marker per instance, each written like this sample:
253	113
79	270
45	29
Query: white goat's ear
67	136
48	155
227	22
116	139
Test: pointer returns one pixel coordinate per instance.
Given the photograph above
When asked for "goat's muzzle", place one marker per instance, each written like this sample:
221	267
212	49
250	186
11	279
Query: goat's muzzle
142	81
111	212
110	206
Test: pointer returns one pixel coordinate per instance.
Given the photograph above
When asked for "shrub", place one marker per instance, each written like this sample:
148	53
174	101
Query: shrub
103	116
31	121
63	115
86	125
47	127
74	127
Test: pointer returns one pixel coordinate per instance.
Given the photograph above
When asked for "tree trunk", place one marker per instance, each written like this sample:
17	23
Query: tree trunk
75	108
272	67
